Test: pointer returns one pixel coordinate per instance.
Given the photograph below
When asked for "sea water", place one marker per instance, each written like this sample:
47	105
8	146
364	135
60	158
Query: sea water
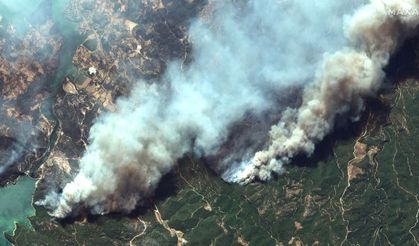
16	206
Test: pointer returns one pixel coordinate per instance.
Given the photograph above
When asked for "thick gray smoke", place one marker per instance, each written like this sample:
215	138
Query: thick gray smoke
341	83
244	57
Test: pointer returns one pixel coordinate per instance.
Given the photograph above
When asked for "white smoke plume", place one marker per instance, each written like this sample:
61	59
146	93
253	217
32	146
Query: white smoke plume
341	83
244	57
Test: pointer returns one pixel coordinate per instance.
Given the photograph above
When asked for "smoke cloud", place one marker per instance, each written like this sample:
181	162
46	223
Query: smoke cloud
28	51
341	83
245	56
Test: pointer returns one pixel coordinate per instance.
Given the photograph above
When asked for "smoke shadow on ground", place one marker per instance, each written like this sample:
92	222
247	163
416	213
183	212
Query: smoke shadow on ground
167	188
344	132
187	166
404	64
